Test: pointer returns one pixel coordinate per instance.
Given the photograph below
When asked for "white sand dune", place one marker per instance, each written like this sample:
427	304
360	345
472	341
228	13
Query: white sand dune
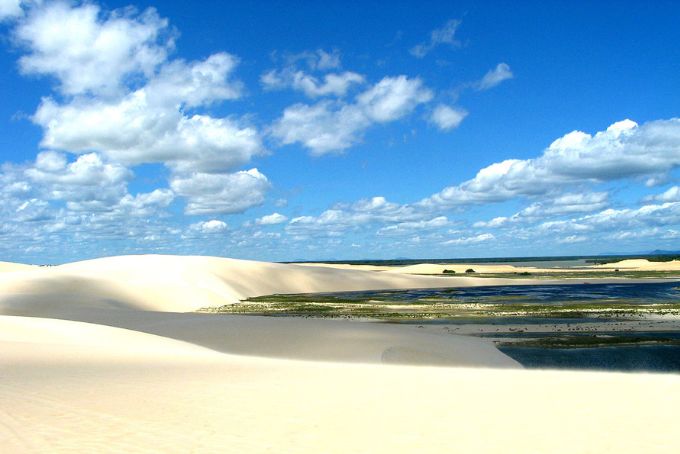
106	356
431	268
9	267
148	294
73	387
642	265
180	284
461	268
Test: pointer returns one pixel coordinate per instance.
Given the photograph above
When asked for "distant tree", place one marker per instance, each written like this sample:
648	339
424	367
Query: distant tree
469	270
449	271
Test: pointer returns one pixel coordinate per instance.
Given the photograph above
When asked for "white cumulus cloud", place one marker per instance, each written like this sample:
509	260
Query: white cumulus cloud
212	226
672	194
86	184
624	150
462	241
334	126
337	84
143	127
10	9
209	193
410	226
91	51
447	118
271	219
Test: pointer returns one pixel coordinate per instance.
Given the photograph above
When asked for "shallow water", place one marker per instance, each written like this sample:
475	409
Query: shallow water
647	358
641	293
641	357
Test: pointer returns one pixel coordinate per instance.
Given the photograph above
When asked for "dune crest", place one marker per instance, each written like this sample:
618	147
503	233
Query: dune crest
185	283
8	267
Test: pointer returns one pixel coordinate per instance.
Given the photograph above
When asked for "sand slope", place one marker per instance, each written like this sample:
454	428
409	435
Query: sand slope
151	294
88	388
8	267
172	283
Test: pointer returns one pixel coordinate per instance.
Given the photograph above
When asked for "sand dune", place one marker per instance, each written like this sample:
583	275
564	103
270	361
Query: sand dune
147	294
160	283
460	268
8	267
180	284
642	264
69	386
430	268
106	356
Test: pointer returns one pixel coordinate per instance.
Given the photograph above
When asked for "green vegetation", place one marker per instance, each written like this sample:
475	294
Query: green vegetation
449	272
588	341
386	307
585	274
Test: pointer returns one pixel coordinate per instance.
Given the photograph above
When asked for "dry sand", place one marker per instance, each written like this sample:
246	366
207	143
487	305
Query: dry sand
431	268
180	284
97	357
460	268
8	267
641	265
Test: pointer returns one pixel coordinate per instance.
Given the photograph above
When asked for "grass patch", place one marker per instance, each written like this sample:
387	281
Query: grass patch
385	307
576	275
592	341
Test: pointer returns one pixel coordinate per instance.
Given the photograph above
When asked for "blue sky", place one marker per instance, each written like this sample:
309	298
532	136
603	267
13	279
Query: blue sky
332	130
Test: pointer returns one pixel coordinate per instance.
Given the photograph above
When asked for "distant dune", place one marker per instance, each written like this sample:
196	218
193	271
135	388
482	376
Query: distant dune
8	267
107	355
461	268
181	284
642	265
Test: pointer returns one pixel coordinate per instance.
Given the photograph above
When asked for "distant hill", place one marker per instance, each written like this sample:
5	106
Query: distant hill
662	252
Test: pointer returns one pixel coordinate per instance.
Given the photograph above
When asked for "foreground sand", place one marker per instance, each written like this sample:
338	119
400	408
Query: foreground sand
97	357
128	392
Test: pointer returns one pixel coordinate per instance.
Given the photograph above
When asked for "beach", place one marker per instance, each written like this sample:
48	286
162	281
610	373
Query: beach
110	355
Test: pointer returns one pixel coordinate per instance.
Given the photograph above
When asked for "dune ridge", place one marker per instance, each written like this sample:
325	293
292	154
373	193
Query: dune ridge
158	295
461	268
182	284
6	267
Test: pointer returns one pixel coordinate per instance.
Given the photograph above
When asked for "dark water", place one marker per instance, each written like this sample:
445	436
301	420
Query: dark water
648	358
641	357
521	294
